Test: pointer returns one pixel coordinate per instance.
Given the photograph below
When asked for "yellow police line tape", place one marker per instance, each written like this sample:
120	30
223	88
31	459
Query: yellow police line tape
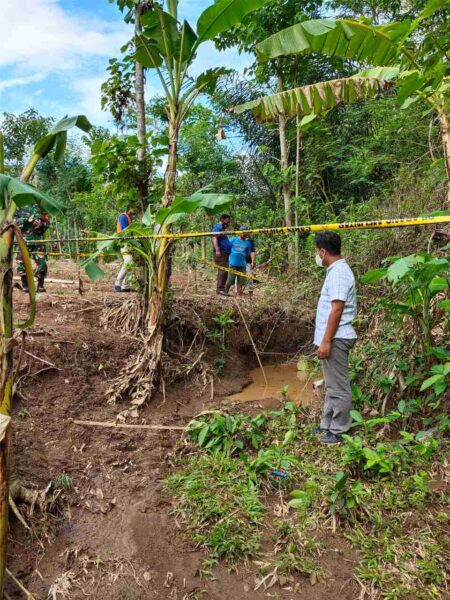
71	254
228	270
380	224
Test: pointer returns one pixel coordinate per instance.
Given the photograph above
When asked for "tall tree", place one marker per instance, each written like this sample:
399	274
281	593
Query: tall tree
419	62
283	72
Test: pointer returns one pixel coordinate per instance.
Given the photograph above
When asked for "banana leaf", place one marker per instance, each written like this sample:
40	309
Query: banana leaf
314	99
23	194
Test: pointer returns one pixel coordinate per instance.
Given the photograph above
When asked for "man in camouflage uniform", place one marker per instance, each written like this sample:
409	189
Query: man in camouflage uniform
33	225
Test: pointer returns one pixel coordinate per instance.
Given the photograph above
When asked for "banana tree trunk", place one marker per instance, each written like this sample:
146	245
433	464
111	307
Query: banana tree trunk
140	119
284	158
6	321
445	136
6	386
160	274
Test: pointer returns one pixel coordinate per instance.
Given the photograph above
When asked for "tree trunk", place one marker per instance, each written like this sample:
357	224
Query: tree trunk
297	187
142	186
445	136
284	158
6	321
5	447
6	384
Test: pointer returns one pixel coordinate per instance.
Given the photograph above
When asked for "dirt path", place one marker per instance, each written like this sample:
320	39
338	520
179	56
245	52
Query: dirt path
117	538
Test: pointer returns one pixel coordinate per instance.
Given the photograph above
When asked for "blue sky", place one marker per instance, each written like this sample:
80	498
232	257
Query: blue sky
55	53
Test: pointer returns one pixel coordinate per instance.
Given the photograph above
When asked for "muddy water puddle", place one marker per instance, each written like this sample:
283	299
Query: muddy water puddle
300	385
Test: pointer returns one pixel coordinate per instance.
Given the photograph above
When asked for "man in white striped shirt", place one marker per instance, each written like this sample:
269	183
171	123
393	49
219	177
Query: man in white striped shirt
334	335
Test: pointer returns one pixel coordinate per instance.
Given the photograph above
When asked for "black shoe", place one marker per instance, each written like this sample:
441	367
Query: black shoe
40	286
223	293
317	430
331	438
24	282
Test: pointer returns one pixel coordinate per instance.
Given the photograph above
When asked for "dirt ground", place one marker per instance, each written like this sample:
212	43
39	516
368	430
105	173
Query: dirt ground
114	535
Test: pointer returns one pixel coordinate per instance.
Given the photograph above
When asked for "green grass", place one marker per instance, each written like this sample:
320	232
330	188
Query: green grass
395	519
220	506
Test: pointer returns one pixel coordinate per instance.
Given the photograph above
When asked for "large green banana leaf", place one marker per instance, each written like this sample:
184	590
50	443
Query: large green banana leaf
23	194
57	136
377	45
163	40
314	99
223	15
211	203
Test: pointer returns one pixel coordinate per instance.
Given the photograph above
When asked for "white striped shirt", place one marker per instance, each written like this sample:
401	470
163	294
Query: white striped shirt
339	285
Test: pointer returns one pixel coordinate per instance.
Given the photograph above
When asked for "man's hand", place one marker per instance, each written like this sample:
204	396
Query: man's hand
217	253
324	350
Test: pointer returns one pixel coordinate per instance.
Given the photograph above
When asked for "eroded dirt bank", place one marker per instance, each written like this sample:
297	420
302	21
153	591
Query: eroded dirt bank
113	535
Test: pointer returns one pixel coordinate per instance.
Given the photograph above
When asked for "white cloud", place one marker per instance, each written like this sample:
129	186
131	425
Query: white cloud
42	40
19	81
39	34
88	101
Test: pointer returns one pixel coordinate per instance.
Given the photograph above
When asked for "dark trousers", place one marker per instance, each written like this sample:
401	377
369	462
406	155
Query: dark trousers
222	261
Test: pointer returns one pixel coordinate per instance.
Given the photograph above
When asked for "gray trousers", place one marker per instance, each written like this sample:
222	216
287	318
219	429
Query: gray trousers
338	395
122	275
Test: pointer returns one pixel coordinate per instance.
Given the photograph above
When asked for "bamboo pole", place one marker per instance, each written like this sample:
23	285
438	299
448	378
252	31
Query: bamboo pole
113	425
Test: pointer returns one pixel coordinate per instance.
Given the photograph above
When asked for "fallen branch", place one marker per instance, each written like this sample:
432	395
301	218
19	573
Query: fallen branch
16	511
63	281
20	585
127	426
42	360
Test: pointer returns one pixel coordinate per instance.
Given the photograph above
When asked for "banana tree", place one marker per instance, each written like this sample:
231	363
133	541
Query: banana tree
137	382
418	62
169	48
14	194
306	103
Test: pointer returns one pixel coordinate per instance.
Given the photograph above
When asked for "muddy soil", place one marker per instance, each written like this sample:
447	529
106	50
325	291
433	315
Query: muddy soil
114	536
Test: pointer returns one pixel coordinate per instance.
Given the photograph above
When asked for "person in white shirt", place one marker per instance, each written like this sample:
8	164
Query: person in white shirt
334	335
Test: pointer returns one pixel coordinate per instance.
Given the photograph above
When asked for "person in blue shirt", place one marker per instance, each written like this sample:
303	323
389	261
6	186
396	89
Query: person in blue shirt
241	249
122	284
221	249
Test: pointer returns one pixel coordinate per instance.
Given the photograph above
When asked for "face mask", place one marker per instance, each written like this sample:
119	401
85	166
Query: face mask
319	261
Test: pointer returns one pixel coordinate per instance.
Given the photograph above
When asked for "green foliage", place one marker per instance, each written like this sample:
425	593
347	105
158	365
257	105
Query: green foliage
118	90
417	279
115	163
221	506
20	134
63	481
345	495
388	458
233	434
